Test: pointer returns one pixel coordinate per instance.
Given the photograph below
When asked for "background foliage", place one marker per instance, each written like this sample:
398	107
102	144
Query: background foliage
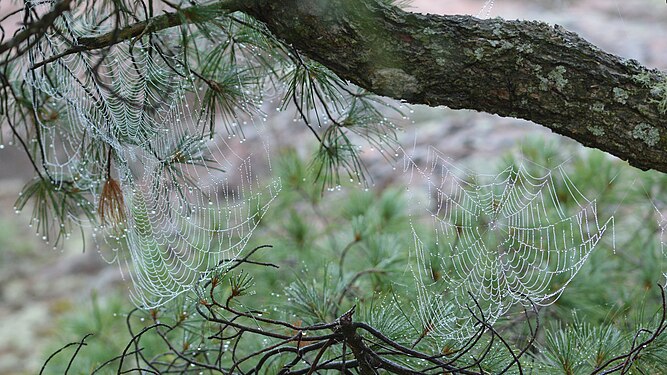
340	246
350	247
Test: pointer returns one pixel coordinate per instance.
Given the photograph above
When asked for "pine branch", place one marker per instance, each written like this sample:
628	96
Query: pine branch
521	69
193	14
38	27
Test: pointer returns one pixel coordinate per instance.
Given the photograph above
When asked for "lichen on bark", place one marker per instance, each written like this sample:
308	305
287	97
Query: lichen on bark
523	69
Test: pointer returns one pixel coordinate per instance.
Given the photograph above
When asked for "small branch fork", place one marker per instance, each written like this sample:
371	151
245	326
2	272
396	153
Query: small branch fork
622	363
36	29
344	345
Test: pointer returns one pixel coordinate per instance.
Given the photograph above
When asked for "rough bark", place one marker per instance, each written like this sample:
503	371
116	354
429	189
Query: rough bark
521	69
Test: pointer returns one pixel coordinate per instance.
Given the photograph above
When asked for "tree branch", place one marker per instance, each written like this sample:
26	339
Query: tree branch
521	69
167	20
38	27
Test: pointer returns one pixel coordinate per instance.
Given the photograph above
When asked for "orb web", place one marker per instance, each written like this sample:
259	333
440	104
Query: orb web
498	241
662	227
183	199
485	12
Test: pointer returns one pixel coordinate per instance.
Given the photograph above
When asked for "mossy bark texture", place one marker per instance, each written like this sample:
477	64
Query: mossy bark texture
522	69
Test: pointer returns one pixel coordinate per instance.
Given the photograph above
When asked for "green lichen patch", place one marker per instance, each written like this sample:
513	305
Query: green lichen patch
620	95
498	30
597	131
501	45
598	107
430	31
555	79
525	48
657	84
643	78
659	91
647	133
479	53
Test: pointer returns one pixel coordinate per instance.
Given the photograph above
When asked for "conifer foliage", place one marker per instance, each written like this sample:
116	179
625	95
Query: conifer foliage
135	115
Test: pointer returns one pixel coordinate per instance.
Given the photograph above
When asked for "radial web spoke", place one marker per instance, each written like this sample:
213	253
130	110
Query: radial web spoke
504	240
183	199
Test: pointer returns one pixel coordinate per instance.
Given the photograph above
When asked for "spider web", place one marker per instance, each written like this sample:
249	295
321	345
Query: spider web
486	9
499	241
662	227
190	200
